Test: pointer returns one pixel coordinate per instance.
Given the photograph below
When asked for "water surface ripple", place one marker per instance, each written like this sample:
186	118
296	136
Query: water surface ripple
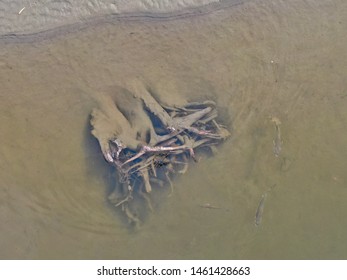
276	70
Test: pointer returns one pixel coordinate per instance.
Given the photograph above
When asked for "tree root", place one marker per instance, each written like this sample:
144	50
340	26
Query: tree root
181	132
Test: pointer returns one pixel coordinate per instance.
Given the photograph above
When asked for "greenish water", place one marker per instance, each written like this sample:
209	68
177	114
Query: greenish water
259	61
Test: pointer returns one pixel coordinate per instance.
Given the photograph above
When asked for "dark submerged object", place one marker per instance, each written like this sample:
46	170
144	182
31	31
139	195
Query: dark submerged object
146	141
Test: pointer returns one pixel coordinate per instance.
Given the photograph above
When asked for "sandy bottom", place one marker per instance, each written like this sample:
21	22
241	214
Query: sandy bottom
258	61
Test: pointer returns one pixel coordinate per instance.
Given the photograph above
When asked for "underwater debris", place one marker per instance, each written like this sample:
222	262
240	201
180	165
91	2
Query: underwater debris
147	142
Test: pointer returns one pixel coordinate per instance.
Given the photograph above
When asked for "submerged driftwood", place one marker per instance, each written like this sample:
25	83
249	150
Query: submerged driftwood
147	142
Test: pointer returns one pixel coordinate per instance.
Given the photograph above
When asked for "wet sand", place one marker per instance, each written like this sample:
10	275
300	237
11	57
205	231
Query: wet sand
69	24
23	16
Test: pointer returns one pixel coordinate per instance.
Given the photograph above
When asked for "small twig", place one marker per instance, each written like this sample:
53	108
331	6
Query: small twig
21	10
145	177
209	206
128	197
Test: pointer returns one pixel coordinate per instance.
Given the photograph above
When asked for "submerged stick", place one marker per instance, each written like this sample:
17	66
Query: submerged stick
277	141
260	210
145	177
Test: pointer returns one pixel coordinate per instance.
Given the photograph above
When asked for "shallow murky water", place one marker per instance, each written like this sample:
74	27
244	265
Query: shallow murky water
260	61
